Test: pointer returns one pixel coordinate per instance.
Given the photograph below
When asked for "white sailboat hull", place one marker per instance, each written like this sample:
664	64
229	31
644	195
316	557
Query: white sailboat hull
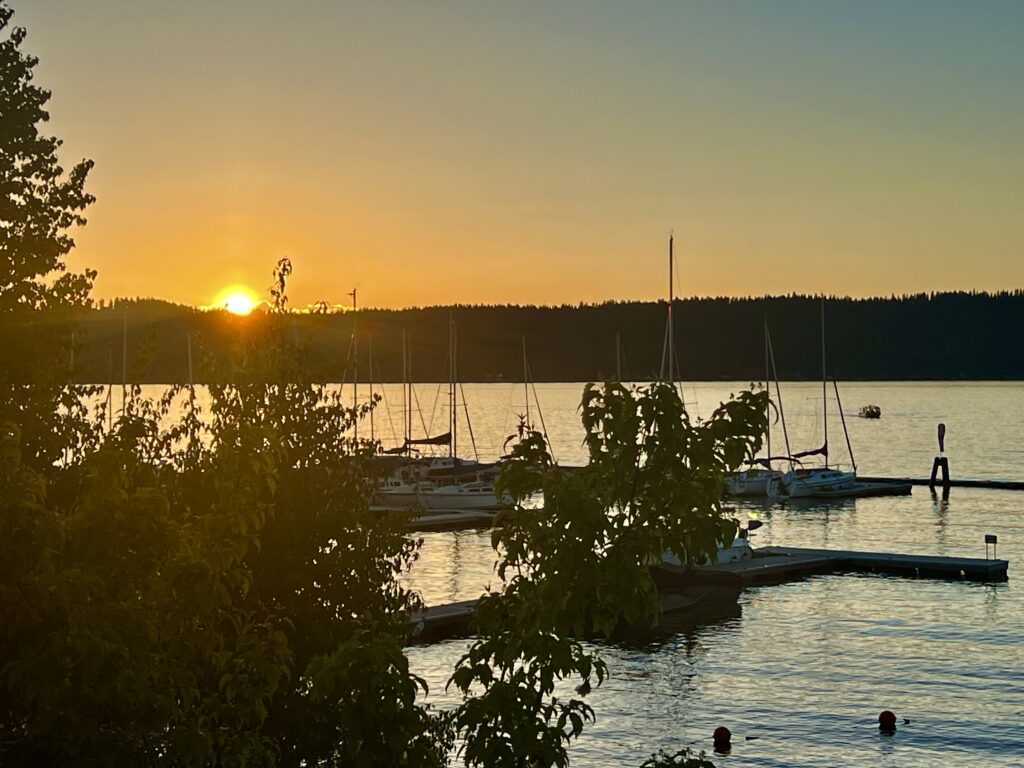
400	499
754	483
466	496
804	483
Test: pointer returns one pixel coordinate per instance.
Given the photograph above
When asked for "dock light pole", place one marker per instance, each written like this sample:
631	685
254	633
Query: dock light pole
991	540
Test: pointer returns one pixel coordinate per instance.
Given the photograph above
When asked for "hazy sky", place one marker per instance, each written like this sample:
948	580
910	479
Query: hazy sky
541	152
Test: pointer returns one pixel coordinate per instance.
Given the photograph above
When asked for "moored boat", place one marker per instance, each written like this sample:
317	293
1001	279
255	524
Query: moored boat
754	483
802	482
812	481
760	479
478	494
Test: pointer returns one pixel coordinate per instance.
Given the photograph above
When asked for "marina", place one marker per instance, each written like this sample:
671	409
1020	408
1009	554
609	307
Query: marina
944	650
462	384
833	645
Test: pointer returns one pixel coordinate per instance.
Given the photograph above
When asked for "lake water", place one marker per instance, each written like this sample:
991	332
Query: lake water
806	667
803	668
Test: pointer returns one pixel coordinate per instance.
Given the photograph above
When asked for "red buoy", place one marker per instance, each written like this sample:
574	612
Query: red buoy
887	722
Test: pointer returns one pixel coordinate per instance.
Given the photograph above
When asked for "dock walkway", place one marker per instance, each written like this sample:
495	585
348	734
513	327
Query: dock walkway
455	619
686	589
774	565
993	485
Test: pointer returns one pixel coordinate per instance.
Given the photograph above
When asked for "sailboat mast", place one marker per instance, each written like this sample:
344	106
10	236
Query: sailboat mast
124	357
671	301
842	416
526	384
406	407
411	398
455	391
618	357
778	395
355	368
768	400
369	343
824	385
451	386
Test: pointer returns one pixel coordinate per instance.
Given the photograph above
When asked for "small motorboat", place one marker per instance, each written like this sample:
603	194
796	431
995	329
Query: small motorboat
870	412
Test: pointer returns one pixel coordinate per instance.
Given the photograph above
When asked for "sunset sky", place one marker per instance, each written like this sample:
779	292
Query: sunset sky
541	152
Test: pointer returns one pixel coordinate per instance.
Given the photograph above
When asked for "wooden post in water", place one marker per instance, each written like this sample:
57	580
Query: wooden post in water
941	462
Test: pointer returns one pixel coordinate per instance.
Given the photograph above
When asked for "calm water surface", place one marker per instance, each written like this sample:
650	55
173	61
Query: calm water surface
804	667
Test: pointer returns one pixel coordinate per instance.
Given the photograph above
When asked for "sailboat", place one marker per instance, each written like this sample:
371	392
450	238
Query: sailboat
448	482
811	481
411	476
760	480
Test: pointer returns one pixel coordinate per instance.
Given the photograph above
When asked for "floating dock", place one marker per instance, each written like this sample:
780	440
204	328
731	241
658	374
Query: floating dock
775	565
995	485
440	622
687	590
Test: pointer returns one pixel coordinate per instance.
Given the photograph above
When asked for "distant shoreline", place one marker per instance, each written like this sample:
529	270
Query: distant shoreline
928	337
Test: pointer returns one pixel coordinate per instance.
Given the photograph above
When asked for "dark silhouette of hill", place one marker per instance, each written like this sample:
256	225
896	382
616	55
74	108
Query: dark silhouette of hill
925	336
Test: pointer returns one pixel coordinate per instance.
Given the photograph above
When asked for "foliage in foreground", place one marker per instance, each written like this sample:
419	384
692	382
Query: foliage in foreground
180	587
201	595
579	565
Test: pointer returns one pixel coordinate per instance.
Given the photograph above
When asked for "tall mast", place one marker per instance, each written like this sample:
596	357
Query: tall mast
453	414
842	417
369	343
526	383
778	394
824	387
618	356
110	387
671	301
455	390
768	401
405	400
124	357
355	366
409	413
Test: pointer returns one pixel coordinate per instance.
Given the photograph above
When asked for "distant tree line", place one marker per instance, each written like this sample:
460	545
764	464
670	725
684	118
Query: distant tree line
923	336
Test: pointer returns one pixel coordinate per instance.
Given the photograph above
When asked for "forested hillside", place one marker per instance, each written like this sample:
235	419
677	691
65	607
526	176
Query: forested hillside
938	336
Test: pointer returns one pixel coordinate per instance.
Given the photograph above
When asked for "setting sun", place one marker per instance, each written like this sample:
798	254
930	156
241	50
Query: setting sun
238	300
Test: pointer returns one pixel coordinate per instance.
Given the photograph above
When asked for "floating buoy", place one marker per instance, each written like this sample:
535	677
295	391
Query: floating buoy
722	738
887	722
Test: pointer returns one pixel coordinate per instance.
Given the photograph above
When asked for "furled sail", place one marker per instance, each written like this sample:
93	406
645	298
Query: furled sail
823	451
